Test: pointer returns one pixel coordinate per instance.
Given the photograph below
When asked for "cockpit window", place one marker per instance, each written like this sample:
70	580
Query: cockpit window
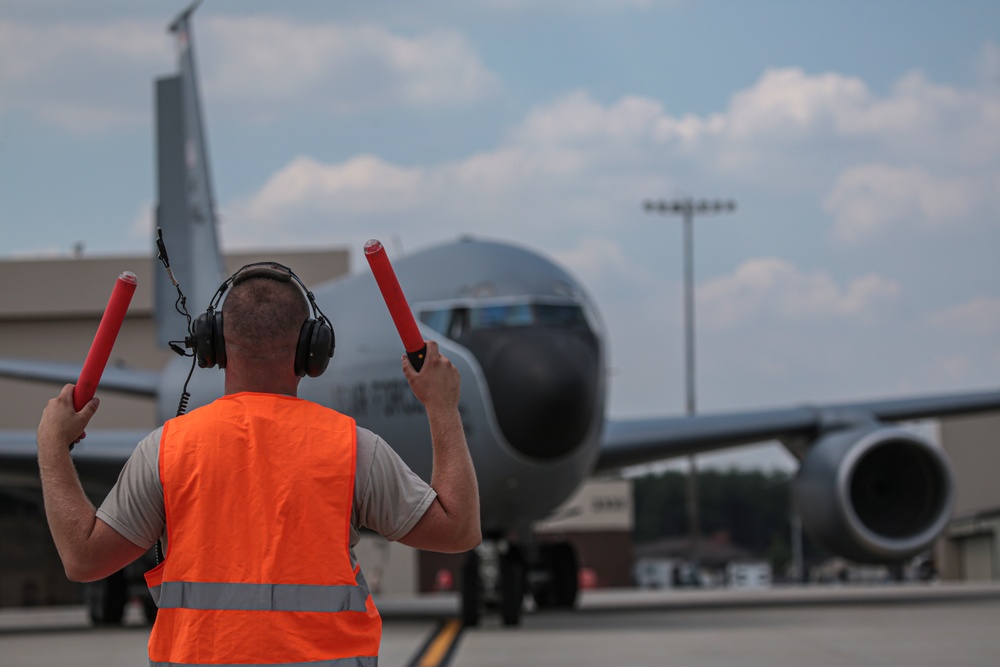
553	315
437	319
491	317
455	320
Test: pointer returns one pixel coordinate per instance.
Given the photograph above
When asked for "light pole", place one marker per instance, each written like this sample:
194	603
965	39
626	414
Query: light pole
687	208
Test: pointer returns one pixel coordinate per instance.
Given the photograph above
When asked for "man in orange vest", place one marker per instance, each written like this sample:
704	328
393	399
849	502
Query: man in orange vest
259	497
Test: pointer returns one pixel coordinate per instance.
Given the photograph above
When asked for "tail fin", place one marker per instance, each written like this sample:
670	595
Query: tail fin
186	206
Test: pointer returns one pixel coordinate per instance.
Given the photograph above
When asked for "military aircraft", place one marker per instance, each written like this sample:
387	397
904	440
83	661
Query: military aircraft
530	346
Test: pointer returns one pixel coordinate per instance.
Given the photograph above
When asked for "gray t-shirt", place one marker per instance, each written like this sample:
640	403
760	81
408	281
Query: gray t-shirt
389	498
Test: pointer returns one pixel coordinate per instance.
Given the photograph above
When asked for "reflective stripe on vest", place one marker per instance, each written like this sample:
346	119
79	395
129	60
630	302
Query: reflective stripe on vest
258	491
260	597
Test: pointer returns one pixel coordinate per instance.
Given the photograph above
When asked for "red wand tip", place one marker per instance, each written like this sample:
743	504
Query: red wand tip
400	311
107	332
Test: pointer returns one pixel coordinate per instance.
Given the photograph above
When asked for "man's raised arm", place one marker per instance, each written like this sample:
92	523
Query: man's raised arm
451	523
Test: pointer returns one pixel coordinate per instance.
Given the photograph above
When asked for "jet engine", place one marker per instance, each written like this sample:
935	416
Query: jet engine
874	494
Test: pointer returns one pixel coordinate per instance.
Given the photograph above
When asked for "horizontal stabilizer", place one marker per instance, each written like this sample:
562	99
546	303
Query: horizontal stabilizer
99	459
123	380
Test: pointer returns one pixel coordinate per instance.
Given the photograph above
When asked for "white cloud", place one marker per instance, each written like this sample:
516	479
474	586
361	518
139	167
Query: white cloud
94	77
791	125
988	65
916	118
143	222
88	77
789	129
935	123
577	117
566	165
603	261
262	62
574	160
361	184
770	288
368	184
976	317
787	102
869	200
509	190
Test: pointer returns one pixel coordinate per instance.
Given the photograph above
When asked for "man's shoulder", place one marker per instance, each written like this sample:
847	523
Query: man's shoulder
149	447
367	439
319	411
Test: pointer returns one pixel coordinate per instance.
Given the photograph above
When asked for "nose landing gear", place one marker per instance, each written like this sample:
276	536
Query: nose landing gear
493	578
498	574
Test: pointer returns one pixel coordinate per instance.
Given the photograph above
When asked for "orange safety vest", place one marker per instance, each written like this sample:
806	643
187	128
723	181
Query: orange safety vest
258	490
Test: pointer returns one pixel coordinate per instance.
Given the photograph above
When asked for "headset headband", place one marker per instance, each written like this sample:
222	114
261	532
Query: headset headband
272	271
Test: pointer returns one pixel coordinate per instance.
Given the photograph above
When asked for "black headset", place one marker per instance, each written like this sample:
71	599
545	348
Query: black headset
316	339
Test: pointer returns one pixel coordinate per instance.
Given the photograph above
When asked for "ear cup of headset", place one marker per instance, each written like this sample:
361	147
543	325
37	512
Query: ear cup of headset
208	342
314	349
219	341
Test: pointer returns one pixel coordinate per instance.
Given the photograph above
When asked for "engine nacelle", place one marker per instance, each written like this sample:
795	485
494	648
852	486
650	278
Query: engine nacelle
874	494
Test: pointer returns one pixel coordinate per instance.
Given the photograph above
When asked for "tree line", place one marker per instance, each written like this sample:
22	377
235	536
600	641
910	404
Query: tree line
752	509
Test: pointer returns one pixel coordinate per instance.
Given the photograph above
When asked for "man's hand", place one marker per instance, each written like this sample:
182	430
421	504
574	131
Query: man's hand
438	384
61	425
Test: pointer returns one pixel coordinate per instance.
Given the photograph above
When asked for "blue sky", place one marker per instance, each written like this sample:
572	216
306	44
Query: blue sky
861	141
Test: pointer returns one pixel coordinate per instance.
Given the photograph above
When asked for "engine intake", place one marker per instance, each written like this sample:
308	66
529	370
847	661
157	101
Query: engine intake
874	495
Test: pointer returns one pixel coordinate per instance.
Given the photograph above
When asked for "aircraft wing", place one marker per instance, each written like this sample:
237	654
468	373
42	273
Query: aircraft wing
99	459
100	456
636	441
125	380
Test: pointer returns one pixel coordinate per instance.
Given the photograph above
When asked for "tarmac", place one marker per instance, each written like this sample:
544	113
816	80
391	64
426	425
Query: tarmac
904	625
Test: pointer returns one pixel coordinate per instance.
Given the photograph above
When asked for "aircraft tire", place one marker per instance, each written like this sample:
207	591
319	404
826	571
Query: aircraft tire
470	590
543	591
106	599
565	577
512	588
560	587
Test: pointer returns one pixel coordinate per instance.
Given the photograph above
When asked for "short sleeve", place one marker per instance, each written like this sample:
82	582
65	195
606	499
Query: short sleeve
134	507
389	498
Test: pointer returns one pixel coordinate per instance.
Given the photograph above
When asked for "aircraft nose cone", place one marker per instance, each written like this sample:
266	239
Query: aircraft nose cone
544	386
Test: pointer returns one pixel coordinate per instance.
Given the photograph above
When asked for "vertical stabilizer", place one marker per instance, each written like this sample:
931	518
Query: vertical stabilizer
185	204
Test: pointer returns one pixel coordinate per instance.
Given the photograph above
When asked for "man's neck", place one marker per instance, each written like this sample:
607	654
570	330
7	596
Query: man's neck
261	379
259	389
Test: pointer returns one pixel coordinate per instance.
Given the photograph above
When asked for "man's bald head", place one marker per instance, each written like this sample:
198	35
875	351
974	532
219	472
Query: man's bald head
262	318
